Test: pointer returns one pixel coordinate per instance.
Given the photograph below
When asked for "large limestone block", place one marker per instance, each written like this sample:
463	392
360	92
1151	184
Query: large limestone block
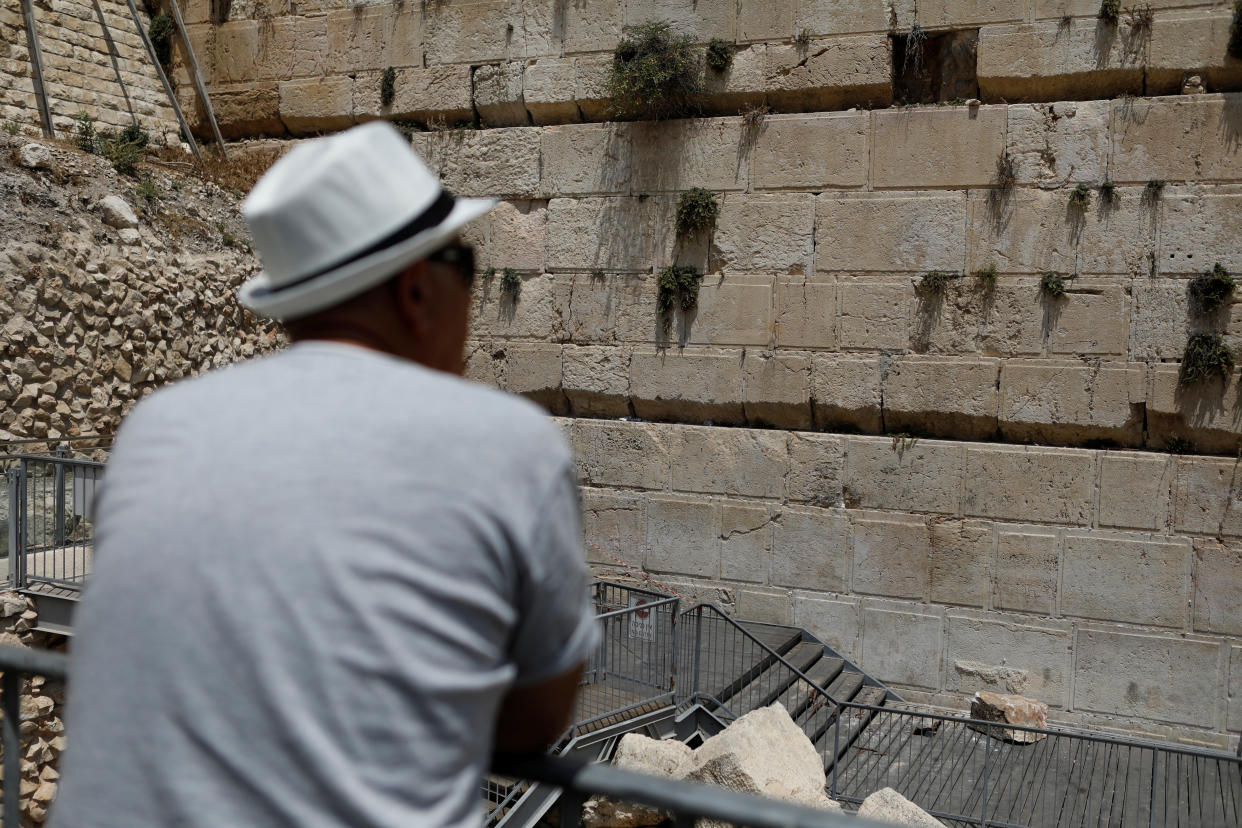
886	805
1160	319
582	234
776	389
1027	571
811	152
534	371
1174	138
902	645
293	47
535	313
316	105
621	454
683	536
439	95
739	89
687	385
904	475
872	314
806	309
479	31
702	20
1198	229
517	234
1052	145
498	94
1135	490
827	17
1165	678
375	37
835	622
961	562
1012	709
1091	322
991	651
594	28
747	462
606	308
485	162
745	541
1218	589
764	234
246	110
846	391
816	464
1204	503
1036	61
1043	485
1117	577
1051	401
764	752
587	159
772	21
1209	414
891	555
830	73
591	73
908	231
732	310
1191	40
687	152
613	527
597	380
548	90
957	396
810	549
937	147
640	754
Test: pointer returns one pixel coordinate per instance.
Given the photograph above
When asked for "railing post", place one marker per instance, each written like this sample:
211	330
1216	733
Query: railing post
672	675
14	520
11	687
987	752
58	498
1151	807
698	644
836	749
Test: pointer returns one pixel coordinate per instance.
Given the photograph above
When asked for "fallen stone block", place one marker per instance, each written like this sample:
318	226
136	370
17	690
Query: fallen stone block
1009	709
117	212
35	157
886	805
640	754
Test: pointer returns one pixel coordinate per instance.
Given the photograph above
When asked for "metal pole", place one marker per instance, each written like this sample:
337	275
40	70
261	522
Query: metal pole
1151	807
836	749
159	70
17	555
698	646
198	80
987	752
12	685
14	535
36	69
58	503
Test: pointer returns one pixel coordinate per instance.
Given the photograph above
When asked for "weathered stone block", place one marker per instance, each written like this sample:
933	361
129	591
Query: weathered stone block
825	17
498	94
811	549
619	307
1090	323
440	94
873	315
682	536
547	91
963	13
1043	60
375	37
687	385
1027	571
536	312
1198	229
914	475
247	110
953	396
815	469
891	556
845	391
466	32
1209	414
629	455
1165	678
902	647
1202	495
585	159
732	310
1008	325
768	21
732	461
764	234
596	380
534	371
836	623
764	605
613	527
937	147
811	152
986	652
670	156
581	234
1135	490
829	74
702	20
776	389
1218	587
961	562
1160	319
485	162
592	29
1046	401
1197	40
745	541
1115	577
315	105
591	87
1235	689
1044	485
884	233
806	309
1175	138
1052	145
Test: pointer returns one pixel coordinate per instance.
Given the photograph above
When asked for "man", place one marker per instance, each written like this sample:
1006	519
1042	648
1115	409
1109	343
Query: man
331	581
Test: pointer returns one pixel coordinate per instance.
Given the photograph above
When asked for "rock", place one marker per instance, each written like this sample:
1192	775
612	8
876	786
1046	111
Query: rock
1192	84
886	805
117	212
641	754
35	157
1010	709
45	793
11	604
129	236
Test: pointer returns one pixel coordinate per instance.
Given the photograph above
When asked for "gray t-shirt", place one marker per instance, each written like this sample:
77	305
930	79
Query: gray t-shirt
317	574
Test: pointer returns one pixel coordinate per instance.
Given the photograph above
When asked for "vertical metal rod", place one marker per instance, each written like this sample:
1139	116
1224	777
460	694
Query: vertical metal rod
198	79
12	685
987	752
1151	808
18	563
698	648
836	750
58	503
36	69
159	70
14	522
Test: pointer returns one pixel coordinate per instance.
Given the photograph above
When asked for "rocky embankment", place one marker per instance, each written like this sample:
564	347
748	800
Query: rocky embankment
112	285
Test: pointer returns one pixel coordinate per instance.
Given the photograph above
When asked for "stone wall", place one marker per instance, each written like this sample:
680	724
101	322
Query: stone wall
300	67
1104	583
86	68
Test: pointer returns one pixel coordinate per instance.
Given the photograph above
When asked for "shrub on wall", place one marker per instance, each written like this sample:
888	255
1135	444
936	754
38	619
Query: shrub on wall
654	73
160	32
1212	289
697	209
388	86
1206	356
720	55
1235	32
678	286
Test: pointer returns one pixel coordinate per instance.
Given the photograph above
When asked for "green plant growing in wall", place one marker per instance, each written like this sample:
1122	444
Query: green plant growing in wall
1054	284
1234	49
1139	18
677	286
511	284
85	135
988	275
12	128
1108	192
135	134
388	87
1153	191
697	211
1110	11
147	190
719	55
1080	198
160	33
1179	445
654	73
934	282
1206	356
1212	289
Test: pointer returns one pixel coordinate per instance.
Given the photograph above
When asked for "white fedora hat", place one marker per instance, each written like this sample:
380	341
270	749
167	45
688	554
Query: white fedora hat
341	214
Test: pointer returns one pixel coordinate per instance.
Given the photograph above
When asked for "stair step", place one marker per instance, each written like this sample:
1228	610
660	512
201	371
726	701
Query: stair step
766	687
820	713
727	663
850	724
799	694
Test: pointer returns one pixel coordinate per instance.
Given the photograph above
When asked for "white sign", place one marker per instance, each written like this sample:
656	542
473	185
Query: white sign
642	621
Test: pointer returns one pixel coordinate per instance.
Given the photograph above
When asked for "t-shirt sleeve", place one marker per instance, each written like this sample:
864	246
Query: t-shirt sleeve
556	629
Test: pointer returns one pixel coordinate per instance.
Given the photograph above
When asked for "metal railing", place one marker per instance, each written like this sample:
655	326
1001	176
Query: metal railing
50	535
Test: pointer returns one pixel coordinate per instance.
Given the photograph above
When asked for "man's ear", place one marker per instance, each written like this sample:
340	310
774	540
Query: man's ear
412	297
